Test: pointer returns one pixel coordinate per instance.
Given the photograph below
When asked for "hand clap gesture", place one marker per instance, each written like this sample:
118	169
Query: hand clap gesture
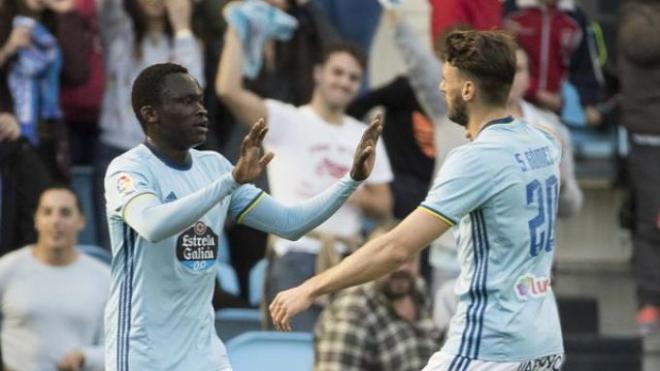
252	161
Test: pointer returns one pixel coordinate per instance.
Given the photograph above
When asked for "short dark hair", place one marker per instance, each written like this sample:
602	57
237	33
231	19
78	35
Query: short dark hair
148	86
487	56
344	47
63	187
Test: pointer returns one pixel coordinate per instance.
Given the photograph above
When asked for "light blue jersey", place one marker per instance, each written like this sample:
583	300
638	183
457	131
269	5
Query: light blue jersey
159	315
501	190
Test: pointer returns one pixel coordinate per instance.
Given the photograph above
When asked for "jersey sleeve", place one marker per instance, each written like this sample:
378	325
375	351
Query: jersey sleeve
124	181
244	199
463	184
282	118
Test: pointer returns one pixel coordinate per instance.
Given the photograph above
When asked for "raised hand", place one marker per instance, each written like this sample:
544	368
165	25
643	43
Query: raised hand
287	304
179	12
252	160
365	153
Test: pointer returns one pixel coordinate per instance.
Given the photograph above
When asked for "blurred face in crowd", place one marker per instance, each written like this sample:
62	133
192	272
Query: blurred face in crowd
521	79
338	79
180	118
454	86
152	8
401	282
58	219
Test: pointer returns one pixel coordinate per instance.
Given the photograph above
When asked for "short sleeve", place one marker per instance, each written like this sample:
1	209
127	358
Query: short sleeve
382	172
124	181
244	199
463	184
282	118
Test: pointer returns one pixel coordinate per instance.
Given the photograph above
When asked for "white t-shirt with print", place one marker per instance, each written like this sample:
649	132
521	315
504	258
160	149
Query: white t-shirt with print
311	154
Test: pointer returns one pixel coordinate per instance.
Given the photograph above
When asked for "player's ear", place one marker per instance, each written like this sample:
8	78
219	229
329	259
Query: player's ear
149	114
469	90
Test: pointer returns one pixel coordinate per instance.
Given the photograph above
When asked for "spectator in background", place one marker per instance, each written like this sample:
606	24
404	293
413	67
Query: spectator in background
384	325
137	34
639	73
314	148
22	178
570	195
558	40
479	14
81	104
52	298
39	46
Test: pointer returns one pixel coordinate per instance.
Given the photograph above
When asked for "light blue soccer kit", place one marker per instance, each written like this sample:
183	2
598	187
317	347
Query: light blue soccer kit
159	315
501	190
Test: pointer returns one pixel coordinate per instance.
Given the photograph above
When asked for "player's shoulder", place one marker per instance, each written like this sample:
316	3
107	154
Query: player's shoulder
211	158
135	159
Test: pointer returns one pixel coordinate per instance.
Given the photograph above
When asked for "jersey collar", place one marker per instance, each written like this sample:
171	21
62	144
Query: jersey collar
186	165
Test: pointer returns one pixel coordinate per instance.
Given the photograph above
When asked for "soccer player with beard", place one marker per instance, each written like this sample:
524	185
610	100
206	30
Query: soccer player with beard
501	190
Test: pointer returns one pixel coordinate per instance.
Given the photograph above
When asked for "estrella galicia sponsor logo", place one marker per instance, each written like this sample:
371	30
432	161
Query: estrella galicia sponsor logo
197	247
548	363
529	286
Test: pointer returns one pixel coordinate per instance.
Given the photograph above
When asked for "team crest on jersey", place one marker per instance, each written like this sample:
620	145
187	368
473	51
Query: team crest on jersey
125	184
197	247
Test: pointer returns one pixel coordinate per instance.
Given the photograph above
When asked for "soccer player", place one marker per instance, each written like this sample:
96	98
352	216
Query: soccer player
167	204
501	190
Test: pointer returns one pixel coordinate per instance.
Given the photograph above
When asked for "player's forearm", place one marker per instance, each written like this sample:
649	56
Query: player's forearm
155	221
292	222
375	259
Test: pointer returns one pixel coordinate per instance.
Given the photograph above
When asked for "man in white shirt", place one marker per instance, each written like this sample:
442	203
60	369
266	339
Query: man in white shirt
314	145
52	298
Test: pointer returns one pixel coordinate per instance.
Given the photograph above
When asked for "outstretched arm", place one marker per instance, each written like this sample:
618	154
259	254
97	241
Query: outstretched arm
155	221
246	106
292	222
377	258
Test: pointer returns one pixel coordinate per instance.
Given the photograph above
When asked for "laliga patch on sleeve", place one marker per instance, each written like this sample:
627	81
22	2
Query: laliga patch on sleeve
125	184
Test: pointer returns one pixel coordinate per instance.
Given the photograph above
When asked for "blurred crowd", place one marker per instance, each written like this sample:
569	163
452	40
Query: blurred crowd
66	72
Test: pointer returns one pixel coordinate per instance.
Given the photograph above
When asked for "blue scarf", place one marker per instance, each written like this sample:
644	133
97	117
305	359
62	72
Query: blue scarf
256	22
34	79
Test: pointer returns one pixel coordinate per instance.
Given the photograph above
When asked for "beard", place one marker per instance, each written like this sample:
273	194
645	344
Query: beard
458	111
397	279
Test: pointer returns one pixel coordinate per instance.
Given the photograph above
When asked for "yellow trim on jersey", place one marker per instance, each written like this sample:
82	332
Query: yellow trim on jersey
249	207
123	212
437	215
